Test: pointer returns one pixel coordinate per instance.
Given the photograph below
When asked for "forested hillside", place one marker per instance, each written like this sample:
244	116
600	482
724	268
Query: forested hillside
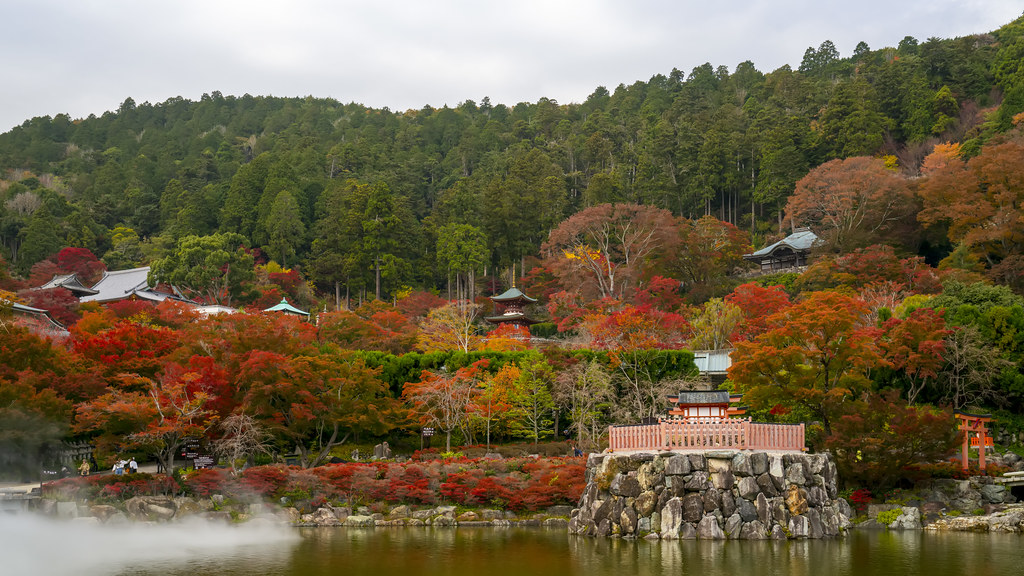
356	198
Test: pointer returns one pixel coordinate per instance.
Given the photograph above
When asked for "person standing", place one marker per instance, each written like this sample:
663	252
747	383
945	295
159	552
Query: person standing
133	466
83	470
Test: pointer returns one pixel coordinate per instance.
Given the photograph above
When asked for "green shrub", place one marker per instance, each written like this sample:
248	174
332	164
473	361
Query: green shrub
887	517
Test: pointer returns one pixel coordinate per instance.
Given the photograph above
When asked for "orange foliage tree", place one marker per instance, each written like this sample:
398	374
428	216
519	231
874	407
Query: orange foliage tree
814	357
850	201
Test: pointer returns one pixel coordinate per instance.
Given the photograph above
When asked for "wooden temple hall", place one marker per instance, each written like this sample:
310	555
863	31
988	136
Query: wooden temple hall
509	309
706	420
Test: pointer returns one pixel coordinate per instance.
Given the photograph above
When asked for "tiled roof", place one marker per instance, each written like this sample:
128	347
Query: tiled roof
69	281
801	240
512	293
121	284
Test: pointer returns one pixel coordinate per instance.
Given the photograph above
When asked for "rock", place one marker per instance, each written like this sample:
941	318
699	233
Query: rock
628	520
723	480
708	529
780	513
843	507
468	516
698	481
764	510
626	486
796	500
692	506
86	520
814	526
382	451
688	531
677	465
732	526
718	464
799	527
648	476
644	503
698	462
748	488
672	518
746	510
325	517
643	525
422	514
741	465
909	519
993	493
795	474
1011	458
102	512
753	531
400	511
778	533
358	520
712	500
67	509
816	496
1009	521
817	463
767	485
555	523
560	510
776	467
758	463
728	504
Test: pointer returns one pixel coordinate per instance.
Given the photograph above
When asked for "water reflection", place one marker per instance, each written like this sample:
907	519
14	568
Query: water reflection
57	549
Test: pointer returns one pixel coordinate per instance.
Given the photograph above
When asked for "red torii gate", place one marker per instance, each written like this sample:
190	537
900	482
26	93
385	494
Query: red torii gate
974	424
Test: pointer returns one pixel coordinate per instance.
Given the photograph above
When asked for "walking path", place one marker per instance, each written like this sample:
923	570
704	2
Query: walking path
26	488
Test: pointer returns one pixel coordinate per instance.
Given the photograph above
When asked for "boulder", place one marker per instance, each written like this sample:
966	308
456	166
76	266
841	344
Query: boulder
741	465
712	500
677	465
909	519
698	481
645	503
753	531
648	476
698	462
748	488
708	529
796	500
628	520
672	518
993	493
795	474
799	527
325	517
728	504
764	510
746	510
767	485
692	507
732	526
814	526
723	480
758	463
626	486
357	521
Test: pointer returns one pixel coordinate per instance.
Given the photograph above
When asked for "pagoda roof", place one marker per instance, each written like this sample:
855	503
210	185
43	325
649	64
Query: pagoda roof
701	397
287	308
511	317
801	240
70	282
511	295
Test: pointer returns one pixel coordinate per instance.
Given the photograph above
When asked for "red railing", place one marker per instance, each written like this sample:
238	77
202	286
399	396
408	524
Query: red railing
707	434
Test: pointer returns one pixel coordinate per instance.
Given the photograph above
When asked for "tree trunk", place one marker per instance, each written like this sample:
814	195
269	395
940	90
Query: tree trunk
376	265
337	296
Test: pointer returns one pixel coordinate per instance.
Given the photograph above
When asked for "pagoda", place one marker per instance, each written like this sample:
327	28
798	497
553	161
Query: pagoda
705	404
510	304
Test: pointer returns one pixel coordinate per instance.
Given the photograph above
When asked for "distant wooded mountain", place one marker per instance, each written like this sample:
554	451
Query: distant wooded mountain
358	195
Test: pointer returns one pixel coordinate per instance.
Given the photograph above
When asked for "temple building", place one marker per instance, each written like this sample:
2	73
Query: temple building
508	308
71	283
285	308
707	404
790	252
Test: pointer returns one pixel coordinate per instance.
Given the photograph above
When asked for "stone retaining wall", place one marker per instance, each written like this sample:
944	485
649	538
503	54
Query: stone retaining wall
711	495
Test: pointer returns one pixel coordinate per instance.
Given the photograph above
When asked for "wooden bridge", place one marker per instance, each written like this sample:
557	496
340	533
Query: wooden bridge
707	434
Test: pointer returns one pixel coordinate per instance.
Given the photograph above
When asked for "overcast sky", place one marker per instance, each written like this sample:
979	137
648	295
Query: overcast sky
84	57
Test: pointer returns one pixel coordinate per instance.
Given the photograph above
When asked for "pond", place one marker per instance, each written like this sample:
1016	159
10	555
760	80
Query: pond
56	549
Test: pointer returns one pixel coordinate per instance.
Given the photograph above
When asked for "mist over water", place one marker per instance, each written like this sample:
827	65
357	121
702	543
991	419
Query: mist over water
31	545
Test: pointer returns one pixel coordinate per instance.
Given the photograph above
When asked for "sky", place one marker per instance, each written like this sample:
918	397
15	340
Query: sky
82	57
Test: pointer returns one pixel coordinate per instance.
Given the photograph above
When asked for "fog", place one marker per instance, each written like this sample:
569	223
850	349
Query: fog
34	545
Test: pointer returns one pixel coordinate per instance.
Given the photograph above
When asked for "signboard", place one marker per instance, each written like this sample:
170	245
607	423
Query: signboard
194	451
427	432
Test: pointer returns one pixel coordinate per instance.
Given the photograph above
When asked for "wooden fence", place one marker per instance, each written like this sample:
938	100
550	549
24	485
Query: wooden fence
707	434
